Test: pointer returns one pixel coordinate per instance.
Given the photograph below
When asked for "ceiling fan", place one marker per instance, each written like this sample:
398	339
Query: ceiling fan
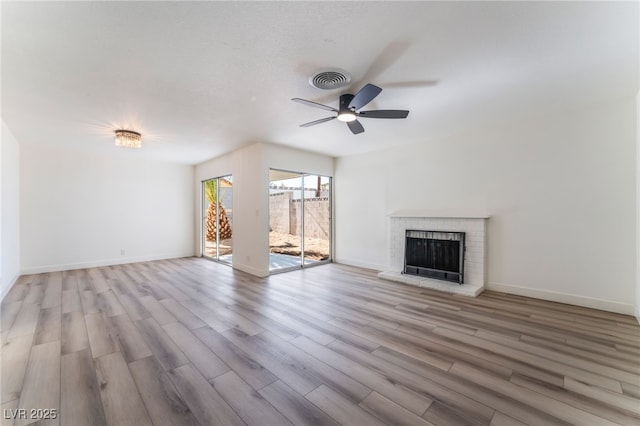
349	109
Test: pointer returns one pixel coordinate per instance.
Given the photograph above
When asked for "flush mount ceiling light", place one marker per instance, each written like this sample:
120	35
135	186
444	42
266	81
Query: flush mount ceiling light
346	116
128	139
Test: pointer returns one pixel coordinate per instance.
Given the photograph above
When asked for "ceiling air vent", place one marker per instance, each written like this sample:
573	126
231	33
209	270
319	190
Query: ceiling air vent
333	78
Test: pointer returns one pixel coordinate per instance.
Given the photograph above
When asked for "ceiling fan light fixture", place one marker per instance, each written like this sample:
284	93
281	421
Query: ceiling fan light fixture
128	139
346	116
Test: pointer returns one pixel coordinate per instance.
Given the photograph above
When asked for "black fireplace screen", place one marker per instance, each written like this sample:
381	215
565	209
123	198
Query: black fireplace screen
435	254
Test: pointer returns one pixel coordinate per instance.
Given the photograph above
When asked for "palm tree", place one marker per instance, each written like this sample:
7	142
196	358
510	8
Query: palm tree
212	196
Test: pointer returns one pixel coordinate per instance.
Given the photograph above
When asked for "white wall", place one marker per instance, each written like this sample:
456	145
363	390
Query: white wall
250	169
560	191
80	210
10	211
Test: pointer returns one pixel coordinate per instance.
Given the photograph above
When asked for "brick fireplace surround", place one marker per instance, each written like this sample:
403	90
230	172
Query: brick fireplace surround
474	226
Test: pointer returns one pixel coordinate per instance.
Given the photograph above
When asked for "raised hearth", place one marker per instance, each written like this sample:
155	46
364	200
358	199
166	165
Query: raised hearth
474	227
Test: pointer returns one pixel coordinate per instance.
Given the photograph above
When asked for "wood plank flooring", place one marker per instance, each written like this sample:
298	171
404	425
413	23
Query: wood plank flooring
189	341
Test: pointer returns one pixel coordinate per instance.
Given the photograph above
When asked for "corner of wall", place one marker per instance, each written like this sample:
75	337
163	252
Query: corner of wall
359	263
250	167
6	288
637	301
258	272
10	260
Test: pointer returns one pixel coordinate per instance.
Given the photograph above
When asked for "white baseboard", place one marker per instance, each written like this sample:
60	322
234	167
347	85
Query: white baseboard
260	273
361	264
5	290
98	263
571	299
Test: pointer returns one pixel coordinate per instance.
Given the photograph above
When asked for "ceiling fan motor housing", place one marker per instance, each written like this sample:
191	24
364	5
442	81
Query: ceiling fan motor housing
345	113
345	100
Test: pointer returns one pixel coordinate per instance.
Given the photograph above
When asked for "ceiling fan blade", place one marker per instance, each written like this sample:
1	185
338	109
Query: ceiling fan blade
314	104
385	60
313	123
411	84
364	96
355	127
384	113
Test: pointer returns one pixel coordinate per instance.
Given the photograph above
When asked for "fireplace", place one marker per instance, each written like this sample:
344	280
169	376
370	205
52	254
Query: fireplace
435	254
471	223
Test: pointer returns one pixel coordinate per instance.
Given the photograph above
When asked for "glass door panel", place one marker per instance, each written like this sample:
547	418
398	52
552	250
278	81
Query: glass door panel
209	247
317	219
225	219
285	220
217	204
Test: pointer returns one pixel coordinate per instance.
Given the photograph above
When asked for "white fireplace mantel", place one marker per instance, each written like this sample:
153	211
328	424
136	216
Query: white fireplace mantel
447	214
472	223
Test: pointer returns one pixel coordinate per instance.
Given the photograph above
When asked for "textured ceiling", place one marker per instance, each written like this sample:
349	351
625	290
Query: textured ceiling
200	79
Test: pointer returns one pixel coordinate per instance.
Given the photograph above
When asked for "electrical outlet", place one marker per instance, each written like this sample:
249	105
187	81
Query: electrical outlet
123	252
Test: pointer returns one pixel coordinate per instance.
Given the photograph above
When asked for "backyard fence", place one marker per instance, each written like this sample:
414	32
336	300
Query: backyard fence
285	215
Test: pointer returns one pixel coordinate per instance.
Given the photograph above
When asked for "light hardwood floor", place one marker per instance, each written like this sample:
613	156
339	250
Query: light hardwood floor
189	341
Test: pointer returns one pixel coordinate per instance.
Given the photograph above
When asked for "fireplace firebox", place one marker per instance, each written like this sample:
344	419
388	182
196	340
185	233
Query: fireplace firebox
435	254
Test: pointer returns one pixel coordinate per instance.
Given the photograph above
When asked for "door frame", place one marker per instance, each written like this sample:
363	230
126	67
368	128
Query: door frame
203	219
302	219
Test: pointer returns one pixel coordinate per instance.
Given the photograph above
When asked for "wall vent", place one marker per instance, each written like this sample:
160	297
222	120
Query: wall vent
328	79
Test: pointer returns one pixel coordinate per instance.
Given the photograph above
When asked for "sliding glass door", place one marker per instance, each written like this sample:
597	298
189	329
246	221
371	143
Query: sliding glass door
217	218
299	220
